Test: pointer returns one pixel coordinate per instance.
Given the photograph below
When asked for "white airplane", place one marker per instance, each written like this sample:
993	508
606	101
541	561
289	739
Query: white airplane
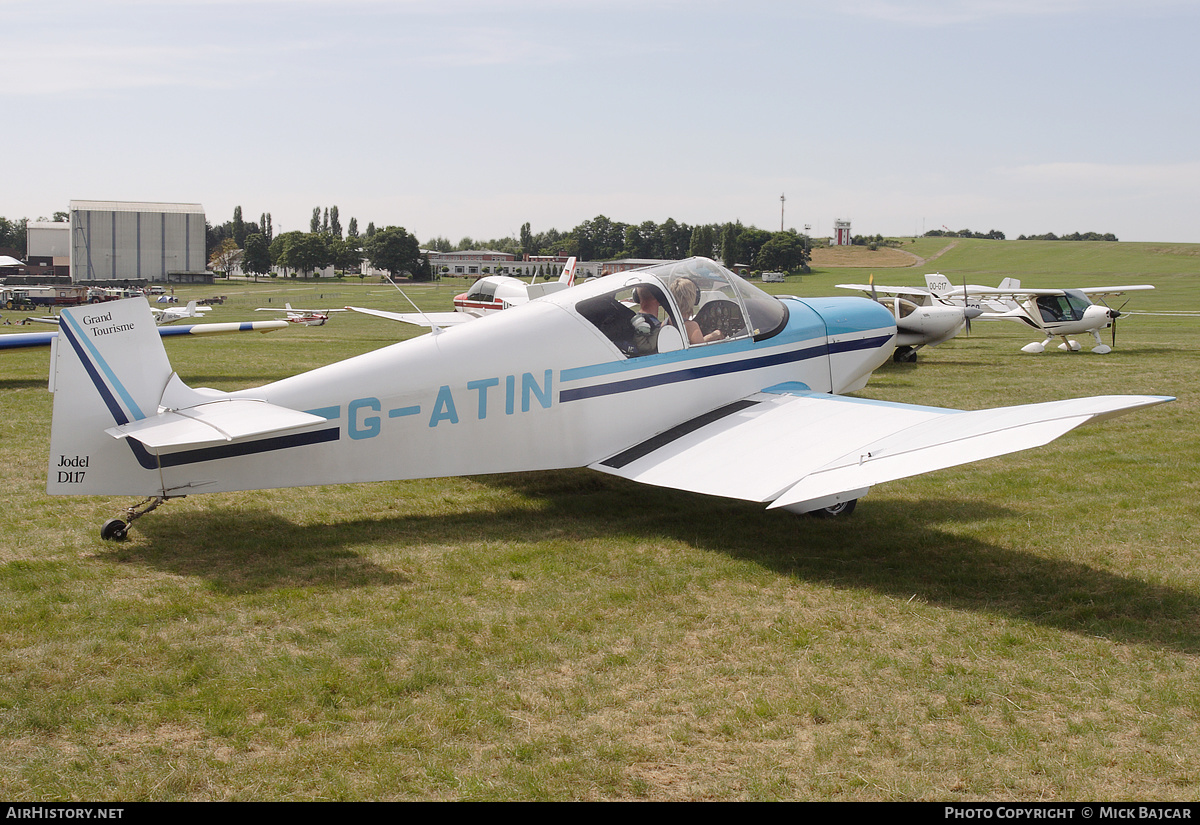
487	295
172	314
1062	313
563	381
922	318
30	340
304	317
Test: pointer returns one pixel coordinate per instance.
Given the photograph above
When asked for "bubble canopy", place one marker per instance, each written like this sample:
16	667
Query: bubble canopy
765	314
693	302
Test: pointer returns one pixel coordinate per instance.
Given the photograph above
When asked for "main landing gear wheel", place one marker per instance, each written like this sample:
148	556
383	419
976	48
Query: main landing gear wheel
905	355
839	510
114	530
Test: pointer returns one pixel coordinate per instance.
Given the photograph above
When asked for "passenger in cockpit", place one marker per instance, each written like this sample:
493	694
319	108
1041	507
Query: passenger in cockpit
645	321
686	295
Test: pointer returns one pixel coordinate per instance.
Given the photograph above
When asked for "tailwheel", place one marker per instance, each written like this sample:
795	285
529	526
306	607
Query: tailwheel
116	529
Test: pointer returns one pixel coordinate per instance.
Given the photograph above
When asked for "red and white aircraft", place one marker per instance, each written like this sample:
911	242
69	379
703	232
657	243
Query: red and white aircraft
486	296
306	317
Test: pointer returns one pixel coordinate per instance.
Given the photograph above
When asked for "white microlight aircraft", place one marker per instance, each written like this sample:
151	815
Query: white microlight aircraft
1061	313
922	319
304	317
492	293
578	378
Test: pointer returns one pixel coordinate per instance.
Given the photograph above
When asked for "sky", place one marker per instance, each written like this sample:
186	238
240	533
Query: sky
458	118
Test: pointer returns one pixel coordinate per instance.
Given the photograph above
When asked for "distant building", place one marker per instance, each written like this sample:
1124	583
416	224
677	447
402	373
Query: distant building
477	263
121	241
48	248
841	233
626	264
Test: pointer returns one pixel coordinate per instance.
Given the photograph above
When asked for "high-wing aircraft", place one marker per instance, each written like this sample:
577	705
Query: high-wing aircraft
30	340
304	317
922	318
1062	313
492	293
708	385
172	314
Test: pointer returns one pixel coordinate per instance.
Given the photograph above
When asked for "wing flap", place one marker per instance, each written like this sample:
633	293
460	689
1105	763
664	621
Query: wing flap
794	449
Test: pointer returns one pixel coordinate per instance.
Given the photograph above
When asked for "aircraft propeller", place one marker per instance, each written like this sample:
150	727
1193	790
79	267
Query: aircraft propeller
1113	315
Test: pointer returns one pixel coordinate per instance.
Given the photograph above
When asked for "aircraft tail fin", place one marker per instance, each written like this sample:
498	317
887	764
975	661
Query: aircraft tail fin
568	274
938	284
1010	283
108	367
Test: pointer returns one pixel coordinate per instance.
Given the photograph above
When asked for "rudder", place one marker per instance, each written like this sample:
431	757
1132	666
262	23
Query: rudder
108	368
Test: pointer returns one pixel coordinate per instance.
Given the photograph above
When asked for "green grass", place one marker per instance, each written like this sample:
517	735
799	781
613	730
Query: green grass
1021	628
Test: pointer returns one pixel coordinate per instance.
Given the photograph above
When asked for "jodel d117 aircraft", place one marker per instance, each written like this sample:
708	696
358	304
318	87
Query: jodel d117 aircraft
680	375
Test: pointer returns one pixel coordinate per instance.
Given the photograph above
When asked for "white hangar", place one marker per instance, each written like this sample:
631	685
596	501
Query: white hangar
119	241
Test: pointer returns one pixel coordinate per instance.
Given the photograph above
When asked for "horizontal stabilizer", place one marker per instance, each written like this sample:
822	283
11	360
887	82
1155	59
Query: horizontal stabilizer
213	422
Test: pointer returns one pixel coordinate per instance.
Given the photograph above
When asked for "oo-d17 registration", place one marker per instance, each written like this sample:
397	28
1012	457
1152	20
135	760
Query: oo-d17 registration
680	375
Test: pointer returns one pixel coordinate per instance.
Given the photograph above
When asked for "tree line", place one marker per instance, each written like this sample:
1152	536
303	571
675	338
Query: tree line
258	250
1074	236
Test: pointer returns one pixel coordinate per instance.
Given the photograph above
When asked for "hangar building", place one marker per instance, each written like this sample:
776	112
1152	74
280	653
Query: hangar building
119	241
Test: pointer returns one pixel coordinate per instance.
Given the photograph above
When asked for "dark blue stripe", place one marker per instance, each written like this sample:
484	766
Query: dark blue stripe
704	371
266	445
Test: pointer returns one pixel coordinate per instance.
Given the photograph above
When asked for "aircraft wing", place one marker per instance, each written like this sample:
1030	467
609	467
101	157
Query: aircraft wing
422	319
888	290
1114	290
804	450
220	329
27	340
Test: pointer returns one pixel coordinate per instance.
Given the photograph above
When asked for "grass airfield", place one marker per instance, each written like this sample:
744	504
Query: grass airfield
1024	628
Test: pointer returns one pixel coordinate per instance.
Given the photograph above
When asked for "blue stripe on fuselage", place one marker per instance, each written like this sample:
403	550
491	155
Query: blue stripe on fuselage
804	338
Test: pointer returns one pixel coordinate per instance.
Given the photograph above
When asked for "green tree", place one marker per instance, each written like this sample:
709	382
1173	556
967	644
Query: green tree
750	241
302	251
394	250
225	257
526	239
730	246
256	256
347	253
784	252
239	228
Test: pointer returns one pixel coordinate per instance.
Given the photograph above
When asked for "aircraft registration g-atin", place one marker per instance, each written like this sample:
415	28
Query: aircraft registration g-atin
680	375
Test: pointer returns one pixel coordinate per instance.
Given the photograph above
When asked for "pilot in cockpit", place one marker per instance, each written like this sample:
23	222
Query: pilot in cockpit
686	295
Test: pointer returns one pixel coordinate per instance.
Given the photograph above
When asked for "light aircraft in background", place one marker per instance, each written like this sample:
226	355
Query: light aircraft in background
489	294
1060	313
304	317
578	378
172	314
922	319
31	340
